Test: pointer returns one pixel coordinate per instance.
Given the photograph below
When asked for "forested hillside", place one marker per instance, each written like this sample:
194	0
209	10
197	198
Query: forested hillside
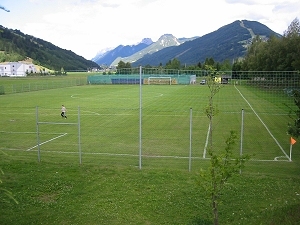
16	46
275	54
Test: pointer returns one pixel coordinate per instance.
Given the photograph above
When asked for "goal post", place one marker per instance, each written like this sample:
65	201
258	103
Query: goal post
160	80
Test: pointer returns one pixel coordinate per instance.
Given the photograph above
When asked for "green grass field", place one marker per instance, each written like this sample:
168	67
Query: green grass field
109	188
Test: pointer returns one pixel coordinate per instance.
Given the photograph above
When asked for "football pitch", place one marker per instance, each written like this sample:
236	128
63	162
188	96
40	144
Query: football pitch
164	124
85	169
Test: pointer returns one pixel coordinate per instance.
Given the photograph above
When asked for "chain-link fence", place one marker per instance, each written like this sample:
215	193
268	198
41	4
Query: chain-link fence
27	85
157	125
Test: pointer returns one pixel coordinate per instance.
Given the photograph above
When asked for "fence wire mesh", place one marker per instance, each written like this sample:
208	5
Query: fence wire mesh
109	118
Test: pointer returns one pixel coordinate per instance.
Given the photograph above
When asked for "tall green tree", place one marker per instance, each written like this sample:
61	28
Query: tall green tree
292	44
294	128
173	64
123	68
293	28
209	62
226	65
122	65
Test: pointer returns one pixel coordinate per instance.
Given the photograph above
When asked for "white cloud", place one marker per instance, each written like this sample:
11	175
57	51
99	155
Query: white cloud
87	26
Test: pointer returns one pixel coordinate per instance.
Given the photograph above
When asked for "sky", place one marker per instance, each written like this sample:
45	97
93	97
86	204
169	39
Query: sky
88	27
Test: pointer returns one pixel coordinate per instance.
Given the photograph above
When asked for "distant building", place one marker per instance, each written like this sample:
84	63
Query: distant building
16	69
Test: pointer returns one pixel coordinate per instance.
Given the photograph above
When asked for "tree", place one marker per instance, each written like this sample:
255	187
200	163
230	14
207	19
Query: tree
294	128
199	65
237	65
293	29
123	67
173	64
292	44
222	165
226	65
209	62
251	61
127	65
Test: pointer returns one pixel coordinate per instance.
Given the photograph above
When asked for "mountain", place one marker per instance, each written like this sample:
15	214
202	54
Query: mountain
101	54
121	51
147	41
228	42
164	41
183	39
17	46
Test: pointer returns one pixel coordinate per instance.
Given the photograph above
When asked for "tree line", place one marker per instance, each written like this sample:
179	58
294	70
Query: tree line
175	64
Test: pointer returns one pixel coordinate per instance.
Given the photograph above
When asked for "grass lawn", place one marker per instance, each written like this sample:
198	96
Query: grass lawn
109	188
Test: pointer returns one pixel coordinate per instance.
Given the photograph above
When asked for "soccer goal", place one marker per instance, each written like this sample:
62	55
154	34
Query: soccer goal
160	80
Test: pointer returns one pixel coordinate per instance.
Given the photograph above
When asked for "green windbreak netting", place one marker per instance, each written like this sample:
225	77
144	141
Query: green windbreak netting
146	79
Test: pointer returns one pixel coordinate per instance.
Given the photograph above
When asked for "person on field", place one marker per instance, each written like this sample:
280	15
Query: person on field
63	112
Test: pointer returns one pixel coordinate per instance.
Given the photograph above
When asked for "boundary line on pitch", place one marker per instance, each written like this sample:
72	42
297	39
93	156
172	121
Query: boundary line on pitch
159	156
132	114
276	159
206	142
52	139
263	123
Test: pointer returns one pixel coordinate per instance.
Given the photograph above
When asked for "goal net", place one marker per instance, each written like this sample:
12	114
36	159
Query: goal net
160	80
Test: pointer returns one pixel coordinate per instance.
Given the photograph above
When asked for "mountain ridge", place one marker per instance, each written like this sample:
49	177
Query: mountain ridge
108	57
164	41
229	42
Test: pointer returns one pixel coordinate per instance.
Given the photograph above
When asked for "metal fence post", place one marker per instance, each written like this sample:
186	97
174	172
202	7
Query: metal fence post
38	133
79	139
242	133
190	155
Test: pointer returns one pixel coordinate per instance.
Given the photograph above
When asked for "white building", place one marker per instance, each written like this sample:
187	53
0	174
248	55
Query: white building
16	69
